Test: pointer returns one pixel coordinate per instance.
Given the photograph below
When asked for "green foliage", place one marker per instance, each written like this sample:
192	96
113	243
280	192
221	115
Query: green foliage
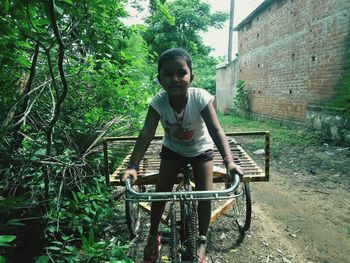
342	99
83	218
182	27
204	70
10	210
109	69
109	79
157	6
5	240
191	18
241	101
14	51
42	259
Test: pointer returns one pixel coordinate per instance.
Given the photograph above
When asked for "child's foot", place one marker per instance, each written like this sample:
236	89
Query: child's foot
201	249
152	249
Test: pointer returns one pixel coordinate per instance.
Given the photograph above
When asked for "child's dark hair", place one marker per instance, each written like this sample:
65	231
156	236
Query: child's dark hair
173	53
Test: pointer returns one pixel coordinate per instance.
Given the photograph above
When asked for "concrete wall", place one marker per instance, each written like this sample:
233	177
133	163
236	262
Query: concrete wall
292	55
226	77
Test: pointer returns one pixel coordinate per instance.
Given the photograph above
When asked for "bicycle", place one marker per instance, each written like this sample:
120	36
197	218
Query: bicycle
183	241
240	200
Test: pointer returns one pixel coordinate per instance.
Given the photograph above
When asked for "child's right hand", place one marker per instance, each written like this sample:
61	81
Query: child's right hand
132	173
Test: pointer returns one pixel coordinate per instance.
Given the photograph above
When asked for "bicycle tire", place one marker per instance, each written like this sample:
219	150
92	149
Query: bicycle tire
188	230
173	230
192	231
133	214
243	208
181	223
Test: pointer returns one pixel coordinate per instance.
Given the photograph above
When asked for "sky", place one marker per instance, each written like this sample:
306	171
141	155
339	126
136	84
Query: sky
217	38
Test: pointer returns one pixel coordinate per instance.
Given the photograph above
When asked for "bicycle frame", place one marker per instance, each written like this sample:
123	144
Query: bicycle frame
235	196
187	200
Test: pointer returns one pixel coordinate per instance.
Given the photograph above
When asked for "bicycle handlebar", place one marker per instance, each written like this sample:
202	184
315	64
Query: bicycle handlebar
228	193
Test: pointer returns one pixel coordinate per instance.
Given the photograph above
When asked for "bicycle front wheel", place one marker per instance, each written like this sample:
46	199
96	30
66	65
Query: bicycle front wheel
173	230
188	230
133	214
243	208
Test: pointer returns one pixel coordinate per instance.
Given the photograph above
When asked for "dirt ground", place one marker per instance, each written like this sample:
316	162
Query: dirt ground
301	215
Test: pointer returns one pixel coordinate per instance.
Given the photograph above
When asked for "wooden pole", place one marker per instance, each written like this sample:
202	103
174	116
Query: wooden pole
230	34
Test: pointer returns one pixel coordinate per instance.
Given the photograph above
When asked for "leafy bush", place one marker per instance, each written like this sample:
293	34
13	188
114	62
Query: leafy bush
78	227
241	101
54	112
204	70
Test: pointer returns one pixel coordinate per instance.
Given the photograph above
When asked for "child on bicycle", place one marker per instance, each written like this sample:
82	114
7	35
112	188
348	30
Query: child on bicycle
191	126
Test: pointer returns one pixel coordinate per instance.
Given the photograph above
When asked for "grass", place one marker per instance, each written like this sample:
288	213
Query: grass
282	135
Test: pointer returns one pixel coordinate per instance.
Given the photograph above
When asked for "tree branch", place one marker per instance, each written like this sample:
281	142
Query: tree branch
17	137
62	96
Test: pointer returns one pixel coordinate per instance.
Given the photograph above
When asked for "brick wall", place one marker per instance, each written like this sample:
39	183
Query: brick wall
292	54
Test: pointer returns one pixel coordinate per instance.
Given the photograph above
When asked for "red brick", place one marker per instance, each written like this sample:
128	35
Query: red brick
301	47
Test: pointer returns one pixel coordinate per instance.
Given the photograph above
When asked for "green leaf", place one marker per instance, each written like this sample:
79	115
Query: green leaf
7	238
84	241
80	229
65	238
70	248
23	61
53	248
14	222
32	10
91	237
6	6
41	22
58	10
57	242
67	1
87	219
51	229
42	259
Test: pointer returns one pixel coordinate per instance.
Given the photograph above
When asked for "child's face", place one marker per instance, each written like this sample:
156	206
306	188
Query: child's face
175	77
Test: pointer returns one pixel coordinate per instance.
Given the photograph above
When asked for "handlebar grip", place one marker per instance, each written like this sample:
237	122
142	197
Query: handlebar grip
128	183
235	178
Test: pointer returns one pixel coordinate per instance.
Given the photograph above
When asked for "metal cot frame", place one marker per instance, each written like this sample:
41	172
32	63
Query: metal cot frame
149	164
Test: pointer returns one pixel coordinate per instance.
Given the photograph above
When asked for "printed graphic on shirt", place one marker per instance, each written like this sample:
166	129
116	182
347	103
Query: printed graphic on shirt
178	132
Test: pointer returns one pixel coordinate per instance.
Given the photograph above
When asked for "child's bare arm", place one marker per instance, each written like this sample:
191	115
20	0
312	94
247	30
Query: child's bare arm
219	137
143	141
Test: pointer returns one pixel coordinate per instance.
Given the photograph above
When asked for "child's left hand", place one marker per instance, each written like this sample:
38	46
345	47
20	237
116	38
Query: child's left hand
233	168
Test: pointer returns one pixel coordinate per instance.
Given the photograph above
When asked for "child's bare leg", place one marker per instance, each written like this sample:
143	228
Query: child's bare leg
167	175
166	179
203	177
204	181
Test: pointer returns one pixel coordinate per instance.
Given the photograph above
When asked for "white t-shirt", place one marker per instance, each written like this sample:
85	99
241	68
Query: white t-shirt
185	133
